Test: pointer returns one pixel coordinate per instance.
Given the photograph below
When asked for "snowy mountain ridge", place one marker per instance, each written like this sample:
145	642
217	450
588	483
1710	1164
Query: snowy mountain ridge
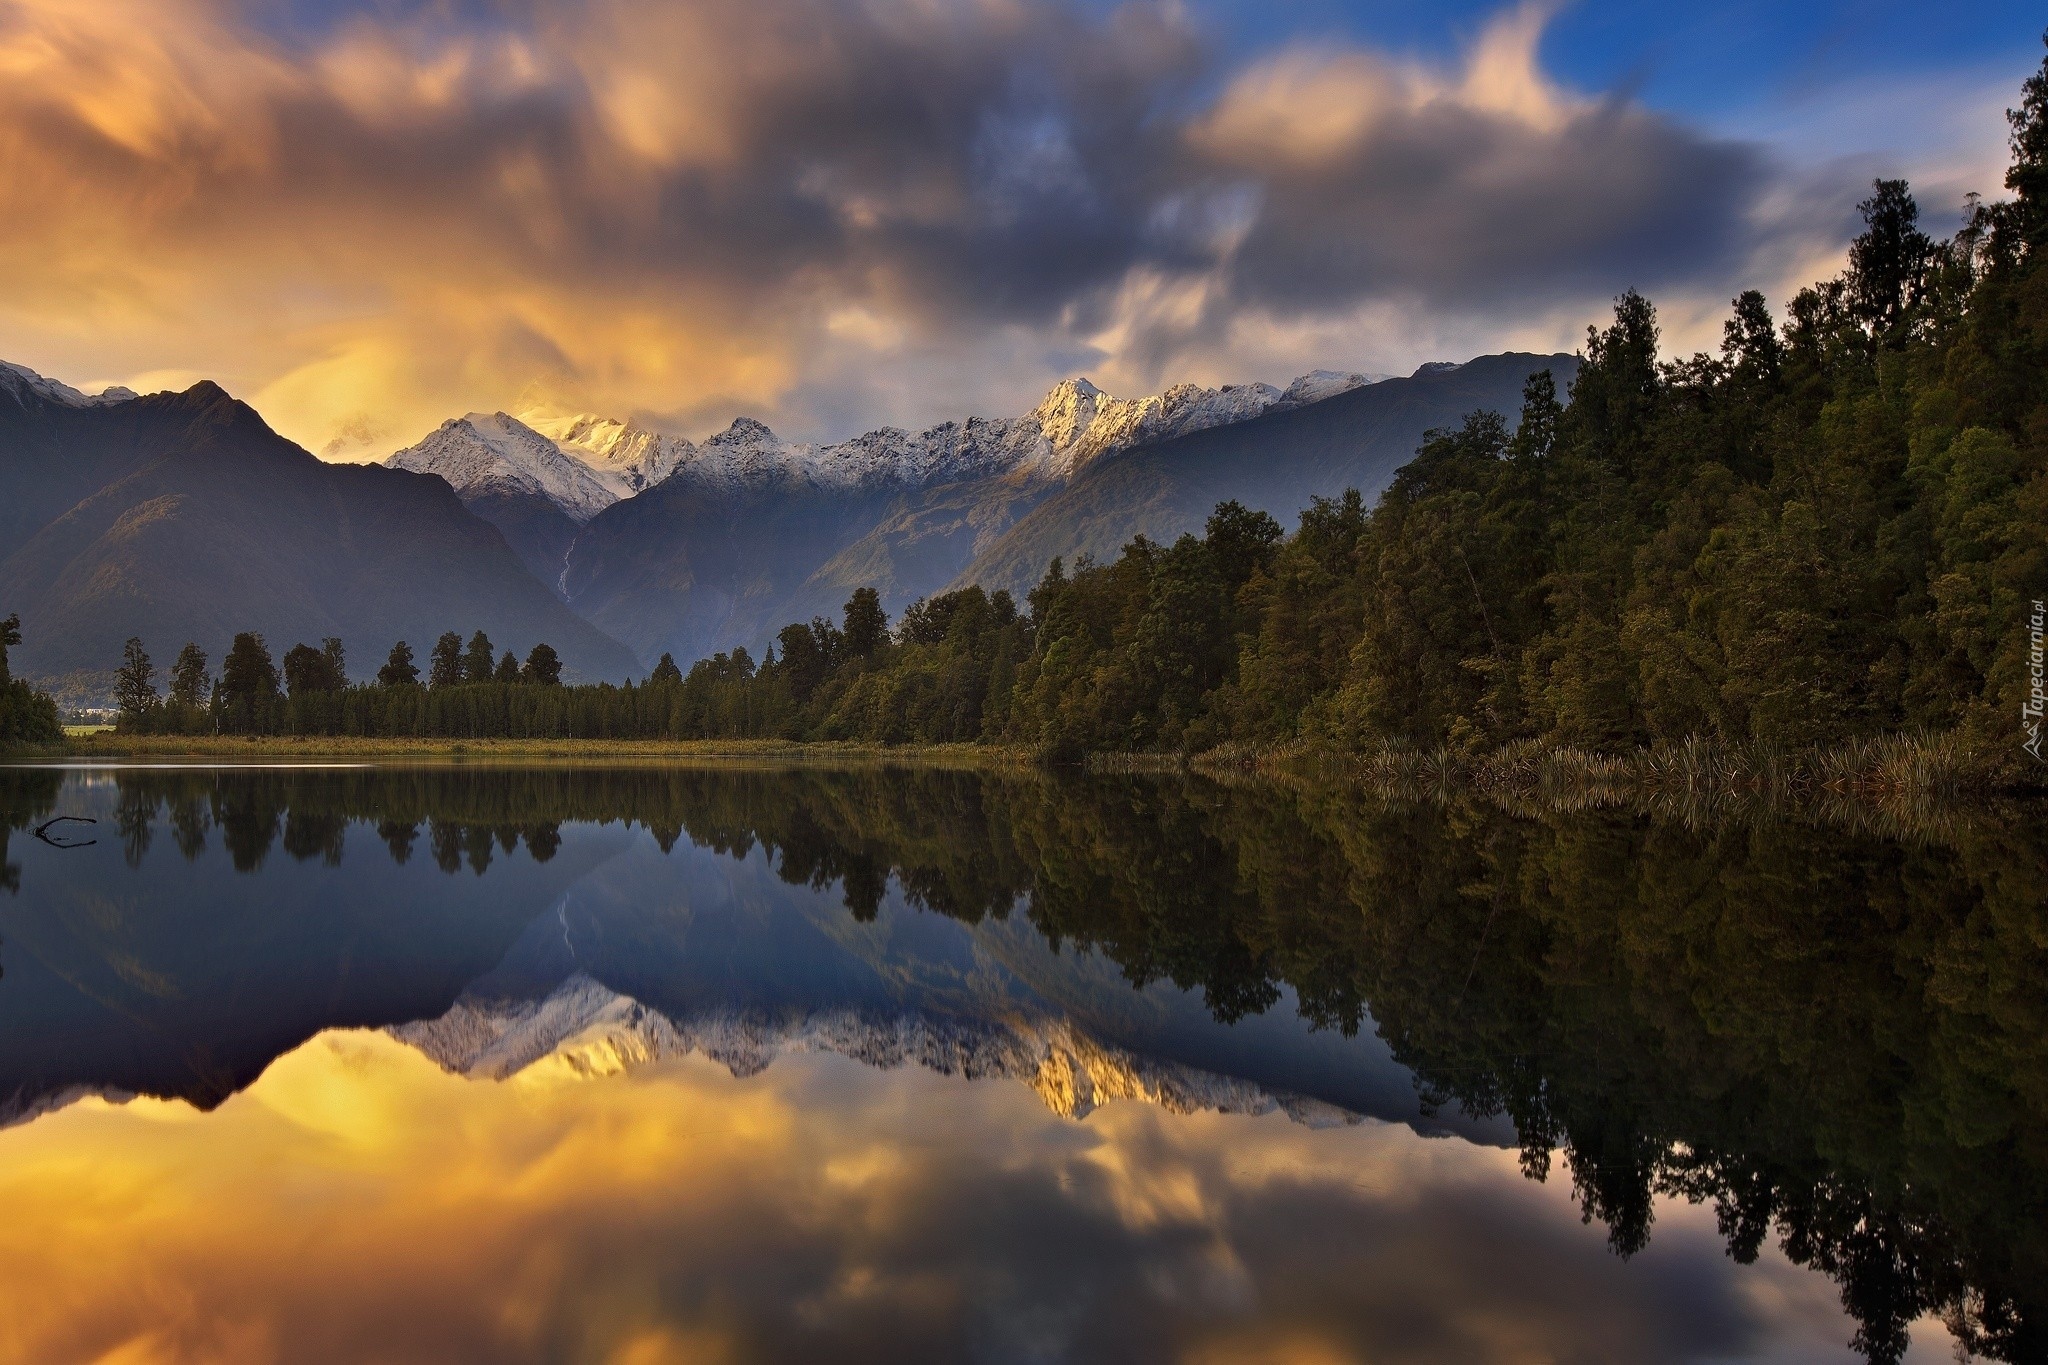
490	453
587	1029
1075	424
20	383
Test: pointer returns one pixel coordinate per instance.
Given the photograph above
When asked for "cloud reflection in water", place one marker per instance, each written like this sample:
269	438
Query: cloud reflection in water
359	1203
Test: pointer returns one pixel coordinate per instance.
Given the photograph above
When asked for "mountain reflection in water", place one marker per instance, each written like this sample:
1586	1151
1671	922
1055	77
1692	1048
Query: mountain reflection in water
1736	1046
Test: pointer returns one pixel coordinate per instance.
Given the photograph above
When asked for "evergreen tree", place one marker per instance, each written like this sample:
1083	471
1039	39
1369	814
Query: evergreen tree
10	636
1536	433
308	670
805	658
666	671
507	670
2028	176
543	666
188	678
1749	341
337	660
399	669
135	682
478	661
867	625
1617	387
1888	264
444	666
248	681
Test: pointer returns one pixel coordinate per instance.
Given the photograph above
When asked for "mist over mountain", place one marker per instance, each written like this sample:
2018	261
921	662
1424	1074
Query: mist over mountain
183	516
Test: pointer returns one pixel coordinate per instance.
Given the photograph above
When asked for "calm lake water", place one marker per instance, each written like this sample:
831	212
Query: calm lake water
641	1065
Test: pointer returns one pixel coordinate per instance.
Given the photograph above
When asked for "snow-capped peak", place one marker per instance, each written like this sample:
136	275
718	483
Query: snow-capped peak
1317	385
485	453
584	1030
598	460
1081	423
1065	414
625	457
22	383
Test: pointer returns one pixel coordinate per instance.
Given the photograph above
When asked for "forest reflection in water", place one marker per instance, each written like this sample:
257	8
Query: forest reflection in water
1831	1039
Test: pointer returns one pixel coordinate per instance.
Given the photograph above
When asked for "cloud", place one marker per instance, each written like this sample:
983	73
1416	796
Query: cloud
357	1203
823	210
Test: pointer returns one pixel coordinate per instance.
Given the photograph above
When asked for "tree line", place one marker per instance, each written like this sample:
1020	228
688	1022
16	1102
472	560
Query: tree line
1831	529
465	685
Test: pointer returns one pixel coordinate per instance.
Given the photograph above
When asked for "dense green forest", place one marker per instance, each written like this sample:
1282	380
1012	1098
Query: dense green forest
1834	1038
1835	528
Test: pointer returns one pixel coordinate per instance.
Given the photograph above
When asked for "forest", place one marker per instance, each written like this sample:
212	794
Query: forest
1831	529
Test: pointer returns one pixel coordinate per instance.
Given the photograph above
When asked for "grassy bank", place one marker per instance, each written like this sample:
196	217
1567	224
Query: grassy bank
274	748
1912	767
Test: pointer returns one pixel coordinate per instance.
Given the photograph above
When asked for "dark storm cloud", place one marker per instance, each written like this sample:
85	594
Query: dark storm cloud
673	202
1459	209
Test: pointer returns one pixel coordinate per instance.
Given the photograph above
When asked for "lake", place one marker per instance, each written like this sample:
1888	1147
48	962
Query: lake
643	1064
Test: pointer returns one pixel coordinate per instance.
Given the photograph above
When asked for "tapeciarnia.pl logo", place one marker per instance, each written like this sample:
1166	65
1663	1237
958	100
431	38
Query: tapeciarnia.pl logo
2030	711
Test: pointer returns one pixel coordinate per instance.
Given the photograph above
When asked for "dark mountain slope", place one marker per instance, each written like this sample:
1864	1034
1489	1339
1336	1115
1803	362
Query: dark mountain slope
1274	463
190	519
691	570
539	532
924	540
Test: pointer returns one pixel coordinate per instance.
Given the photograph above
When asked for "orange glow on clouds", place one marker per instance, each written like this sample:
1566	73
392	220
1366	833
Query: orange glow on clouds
358	1203
191	198
838	214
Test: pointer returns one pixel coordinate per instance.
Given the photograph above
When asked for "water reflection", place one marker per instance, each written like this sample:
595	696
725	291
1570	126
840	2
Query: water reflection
1815	1042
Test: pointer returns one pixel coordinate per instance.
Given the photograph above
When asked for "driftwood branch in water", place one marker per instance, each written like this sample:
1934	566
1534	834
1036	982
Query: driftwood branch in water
42	831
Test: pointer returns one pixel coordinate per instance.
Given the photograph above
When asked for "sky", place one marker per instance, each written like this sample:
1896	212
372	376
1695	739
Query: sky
367	216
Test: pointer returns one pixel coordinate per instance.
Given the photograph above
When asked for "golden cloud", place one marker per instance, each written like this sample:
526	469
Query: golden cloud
679	211
358	1203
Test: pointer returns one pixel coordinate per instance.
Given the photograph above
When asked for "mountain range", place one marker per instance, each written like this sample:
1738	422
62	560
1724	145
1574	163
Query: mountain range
183	516
542	475
687	548
177	516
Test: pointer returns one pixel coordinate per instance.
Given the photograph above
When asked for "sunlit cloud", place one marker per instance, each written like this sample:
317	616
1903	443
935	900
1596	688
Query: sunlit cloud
359	1203
828	214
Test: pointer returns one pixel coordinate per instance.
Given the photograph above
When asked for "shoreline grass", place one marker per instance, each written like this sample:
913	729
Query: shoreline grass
111	746
1892	768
